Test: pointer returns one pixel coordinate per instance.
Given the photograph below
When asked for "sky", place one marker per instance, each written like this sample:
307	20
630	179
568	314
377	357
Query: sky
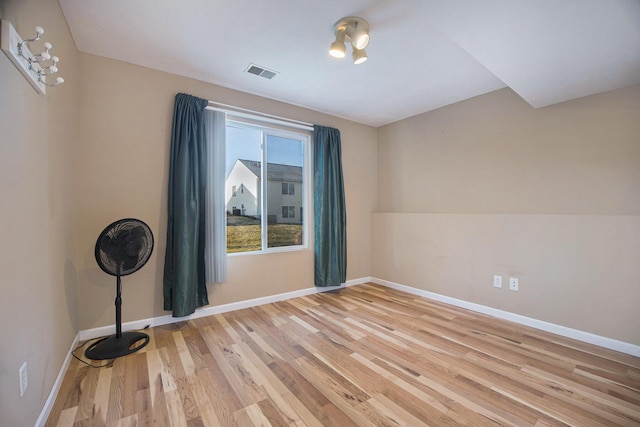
244	143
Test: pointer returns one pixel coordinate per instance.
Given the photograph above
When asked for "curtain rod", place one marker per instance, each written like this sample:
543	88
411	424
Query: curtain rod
251	114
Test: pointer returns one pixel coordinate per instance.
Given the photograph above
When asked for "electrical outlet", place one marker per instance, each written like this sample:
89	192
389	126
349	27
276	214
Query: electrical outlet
22	373
513	283
497	281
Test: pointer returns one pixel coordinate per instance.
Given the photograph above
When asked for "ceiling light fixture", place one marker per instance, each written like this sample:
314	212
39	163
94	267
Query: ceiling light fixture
357	30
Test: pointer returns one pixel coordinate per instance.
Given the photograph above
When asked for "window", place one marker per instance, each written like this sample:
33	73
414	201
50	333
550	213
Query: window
289	188
288	212
270	167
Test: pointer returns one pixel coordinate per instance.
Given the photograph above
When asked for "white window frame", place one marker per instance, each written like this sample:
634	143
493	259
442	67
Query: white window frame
306	185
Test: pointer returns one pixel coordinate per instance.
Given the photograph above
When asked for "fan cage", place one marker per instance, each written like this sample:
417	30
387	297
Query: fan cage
124	247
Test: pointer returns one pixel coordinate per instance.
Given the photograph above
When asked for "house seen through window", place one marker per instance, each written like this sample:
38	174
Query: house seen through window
266	174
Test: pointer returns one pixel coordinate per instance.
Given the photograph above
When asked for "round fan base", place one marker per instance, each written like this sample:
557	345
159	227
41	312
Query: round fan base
112	347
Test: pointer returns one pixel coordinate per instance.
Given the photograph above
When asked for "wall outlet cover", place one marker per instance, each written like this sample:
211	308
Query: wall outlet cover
497	281
513	283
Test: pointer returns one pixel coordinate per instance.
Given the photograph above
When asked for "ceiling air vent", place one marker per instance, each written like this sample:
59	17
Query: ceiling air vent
260	71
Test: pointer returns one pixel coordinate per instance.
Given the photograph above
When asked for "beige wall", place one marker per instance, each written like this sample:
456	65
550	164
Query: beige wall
125	127
491	186
38	309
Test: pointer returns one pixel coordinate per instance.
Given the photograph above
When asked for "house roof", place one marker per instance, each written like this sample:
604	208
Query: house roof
275	171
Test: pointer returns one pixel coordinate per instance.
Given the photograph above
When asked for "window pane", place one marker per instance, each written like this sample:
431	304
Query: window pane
265	191
242	189
285	158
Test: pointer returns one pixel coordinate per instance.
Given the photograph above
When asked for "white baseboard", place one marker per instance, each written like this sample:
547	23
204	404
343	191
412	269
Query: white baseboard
208	311
48	405
359	281
621	346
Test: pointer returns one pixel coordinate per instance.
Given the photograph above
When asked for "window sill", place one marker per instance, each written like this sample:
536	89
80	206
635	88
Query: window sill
272	251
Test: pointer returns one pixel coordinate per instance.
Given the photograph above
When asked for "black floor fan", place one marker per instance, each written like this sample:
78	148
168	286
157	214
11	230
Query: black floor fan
122	248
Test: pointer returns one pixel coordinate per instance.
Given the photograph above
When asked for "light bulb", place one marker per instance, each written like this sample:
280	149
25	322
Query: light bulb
361	41
359	56
338	49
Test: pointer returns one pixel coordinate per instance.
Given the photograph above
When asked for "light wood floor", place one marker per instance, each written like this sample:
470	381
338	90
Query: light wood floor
364	355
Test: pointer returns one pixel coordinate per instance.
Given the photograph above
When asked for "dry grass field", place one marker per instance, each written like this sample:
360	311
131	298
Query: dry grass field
244	235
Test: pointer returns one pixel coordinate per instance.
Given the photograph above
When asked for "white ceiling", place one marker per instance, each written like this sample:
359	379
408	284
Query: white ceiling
424	54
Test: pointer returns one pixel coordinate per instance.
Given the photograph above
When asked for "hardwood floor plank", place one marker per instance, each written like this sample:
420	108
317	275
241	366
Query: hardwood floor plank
379	366
603	405
101	398
160	412
168	371
129	421
203	402
88	388
252	416
129	386
292	409
357	356
339	397
114	410
177	417
394	412
183	352
67	417
218	388
143	407
606	385
274	416
439	367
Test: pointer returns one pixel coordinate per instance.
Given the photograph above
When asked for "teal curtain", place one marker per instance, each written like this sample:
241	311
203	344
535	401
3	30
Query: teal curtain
330	216
184	264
